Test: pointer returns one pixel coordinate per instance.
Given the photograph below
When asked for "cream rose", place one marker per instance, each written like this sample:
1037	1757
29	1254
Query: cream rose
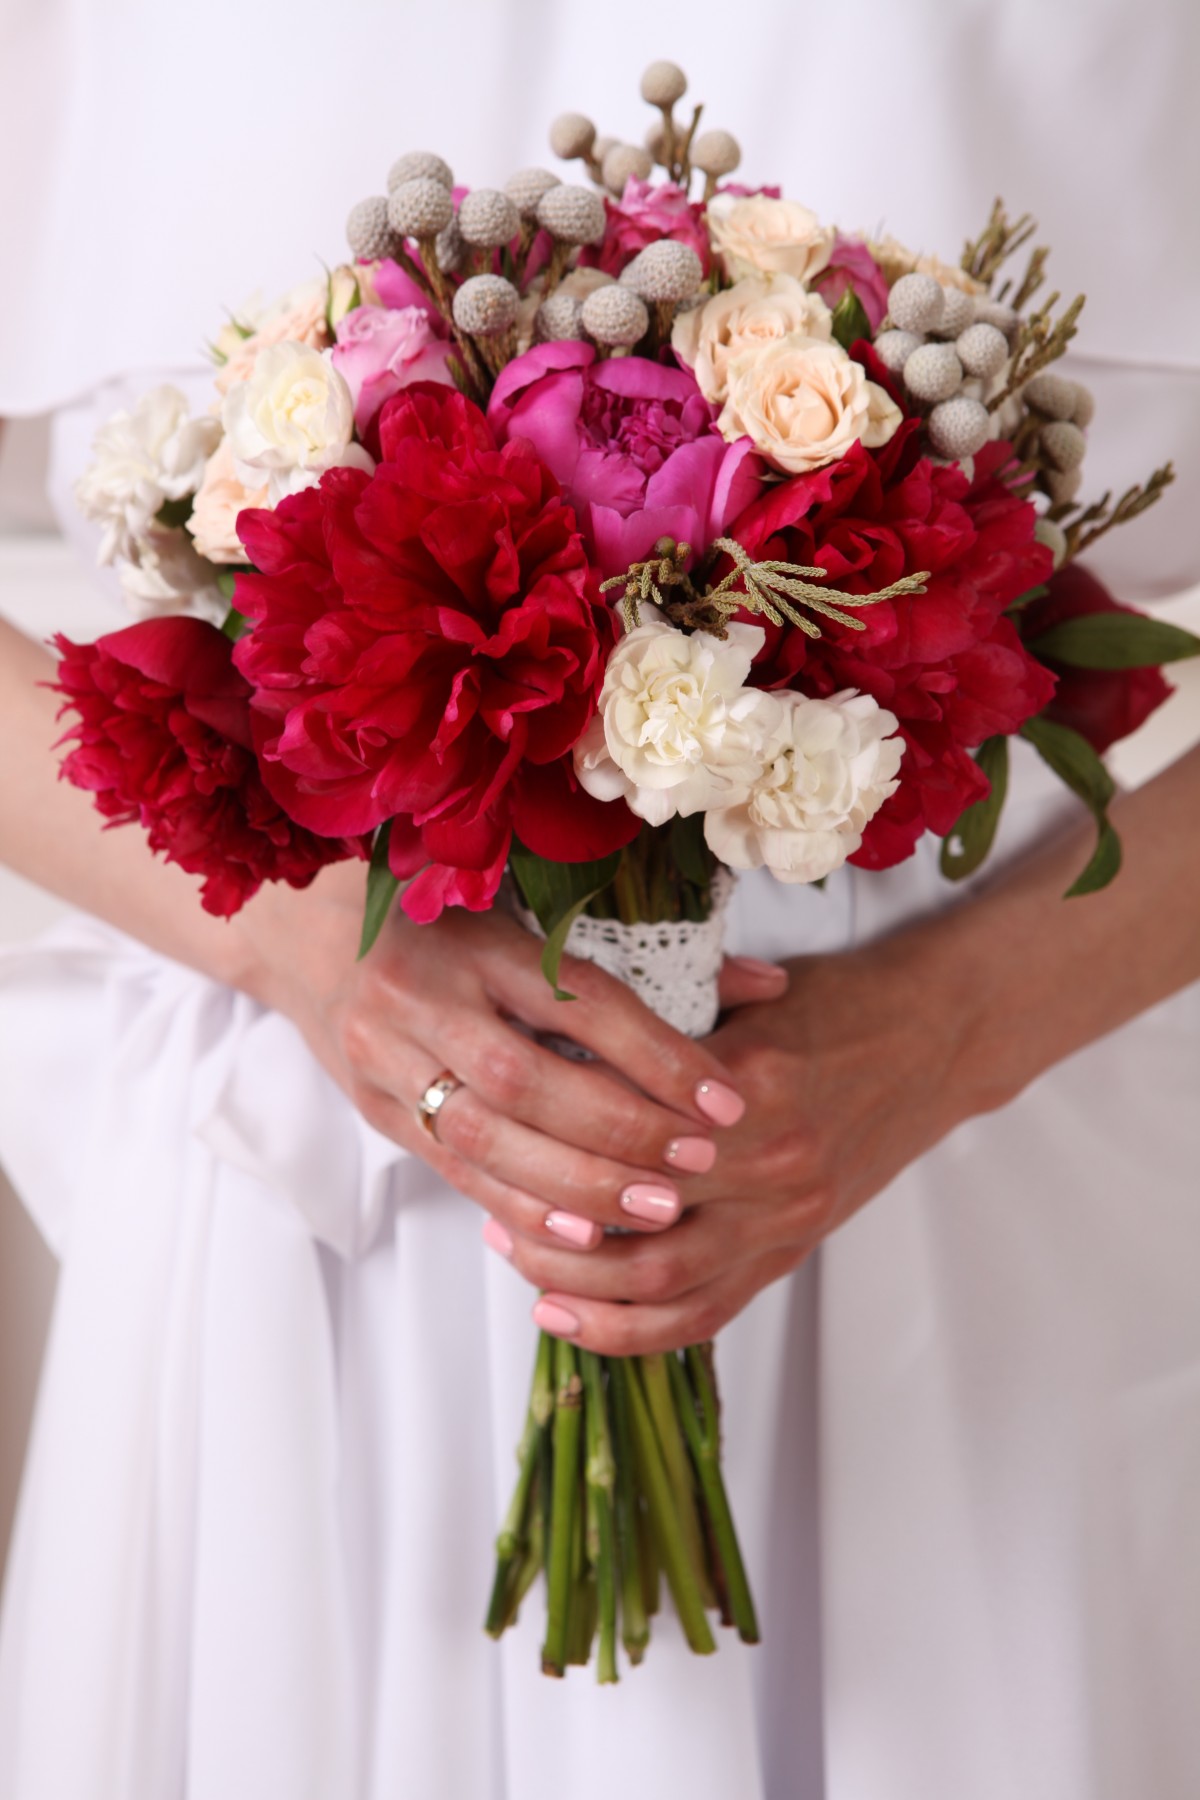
829	769
803	402
896	259
300	317
756	235
222	496
753	314
143	459
678	730
169	577
291	421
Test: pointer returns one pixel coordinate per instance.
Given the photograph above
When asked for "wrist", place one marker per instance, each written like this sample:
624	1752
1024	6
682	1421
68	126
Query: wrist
294	946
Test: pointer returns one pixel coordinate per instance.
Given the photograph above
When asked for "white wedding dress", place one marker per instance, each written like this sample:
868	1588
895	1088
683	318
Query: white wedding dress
285	1379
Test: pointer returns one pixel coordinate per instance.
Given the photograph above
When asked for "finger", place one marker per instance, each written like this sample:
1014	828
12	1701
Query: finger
615	1330
646	1270
607	1018
745	981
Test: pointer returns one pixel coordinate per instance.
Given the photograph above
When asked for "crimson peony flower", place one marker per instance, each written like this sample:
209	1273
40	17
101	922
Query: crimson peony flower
164	740
948	662
429	644
644	214
1102	705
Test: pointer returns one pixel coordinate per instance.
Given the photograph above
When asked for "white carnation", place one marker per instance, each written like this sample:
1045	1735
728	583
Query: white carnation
143	458
829	770
170	576
678	731
291	421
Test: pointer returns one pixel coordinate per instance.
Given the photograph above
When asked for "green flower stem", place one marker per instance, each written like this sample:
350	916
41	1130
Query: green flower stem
513	1539
704	1440
601	1478
567	1427
635	1625
657	1380
677	1563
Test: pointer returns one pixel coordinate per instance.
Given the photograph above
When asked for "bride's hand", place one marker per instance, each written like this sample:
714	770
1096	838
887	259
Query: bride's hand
554	1150
847	1077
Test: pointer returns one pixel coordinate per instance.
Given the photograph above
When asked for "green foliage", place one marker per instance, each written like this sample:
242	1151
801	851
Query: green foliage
381	890
850	321
1113	640
555	894
173	513
966	846
1075	762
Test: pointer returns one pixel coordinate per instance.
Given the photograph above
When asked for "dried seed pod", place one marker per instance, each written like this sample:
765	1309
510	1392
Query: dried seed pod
601	148
1055	539
663	84
486	305
487	218
1085	406
420	165
558	319
1063	445
572	134
1063	485
664	272
933	372
368	229
572	215
615	316
420	208
716	153
893	348
994	312
1051	395
622	161
526	187
450	250
916	303
982	350
958	312
959	427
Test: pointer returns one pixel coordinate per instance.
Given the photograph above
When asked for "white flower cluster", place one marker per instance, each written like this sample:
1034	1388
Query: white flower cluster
292	419
785	782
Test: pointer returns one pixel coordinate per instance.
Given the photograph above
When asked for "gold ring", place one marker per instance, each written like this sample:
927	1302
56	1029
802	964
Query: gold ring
434	1098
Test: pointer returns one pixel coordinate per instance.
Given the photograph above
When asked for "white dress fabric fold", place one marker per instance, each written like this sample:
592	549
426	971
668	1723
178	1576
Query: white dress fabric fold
285	1382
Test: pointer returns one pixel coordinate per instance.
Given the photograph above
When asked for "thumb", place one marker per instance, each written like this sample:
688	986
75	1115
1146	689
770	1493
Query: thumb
745	980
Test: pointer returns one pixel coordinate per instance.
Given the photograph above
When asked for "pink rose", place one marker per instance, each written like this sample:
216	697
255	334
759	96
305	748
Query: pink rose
852	265
634	445
215	509
379	351
642	216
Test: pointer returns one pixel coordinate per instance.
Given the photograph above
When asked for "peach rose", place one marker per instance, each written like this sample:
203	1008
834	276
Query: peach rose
803	402
750	316
755	235
216	506
300	317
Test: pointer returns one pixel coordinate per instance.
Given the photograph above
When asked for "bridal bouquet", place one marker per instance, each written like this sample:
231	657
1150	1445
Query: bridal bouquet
577	543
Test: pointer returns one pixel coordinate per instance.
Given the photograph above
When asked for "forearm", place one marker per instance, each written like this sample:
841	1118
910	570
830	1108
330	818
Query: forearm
1036	976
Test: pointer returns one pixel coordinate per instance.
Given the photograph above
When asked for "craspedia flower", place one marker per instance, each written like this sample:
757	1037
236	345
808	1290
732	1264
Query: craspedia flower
420	165
572	215
893	348
449	248
622	162
916	303
716	153
526	187
959	427
615	316
982	350
663	83
933	372
486	305
368	229
664	272
1062	444
420	208
487	218
958	311
572	134
1050	394
558	319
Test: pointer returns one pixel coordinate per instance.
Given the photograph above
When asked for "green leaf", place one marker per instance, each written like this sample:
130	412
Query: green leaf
227	582
850	321
555	894
381	890
967	844
174	512
1115	641
688	850
235	624
1075	762
1025	599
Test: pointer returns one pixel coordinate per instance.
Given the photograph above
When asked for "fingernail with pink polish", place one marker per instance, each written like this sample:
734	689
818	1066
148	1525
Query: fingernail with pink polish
759	970
719	1103
555	1319
581	1234
654	1204
496	1238
693	1155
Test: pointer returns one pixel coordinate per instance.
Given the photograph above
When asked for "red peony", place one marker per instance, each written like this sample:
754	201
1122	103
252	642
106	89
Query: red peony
164	740
947	662
1102	705
429	645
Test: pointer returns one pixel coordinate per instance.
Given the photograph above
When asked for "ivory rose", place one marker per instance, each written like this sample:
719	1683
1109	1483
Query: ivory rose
756	312
896	259
292	420
828	770
299	318
221	498
755	234
678	729
803	402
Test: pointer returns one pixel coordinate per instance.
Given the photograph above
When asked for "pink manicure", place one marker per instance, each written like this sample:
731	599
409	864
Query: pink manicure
763	971
496	1238
582	1234
719	1103
694	1156
647	1200
555	1319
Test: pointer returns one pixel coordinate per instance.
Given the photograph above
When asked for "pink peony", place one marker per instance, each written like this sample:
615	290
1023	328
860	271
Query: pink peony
634	445
641	216
379	352
852	265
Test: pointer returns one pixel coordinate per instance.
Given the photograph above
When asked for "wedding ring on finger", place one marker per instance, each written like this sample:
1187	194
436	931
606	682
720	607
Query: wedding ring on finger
434	1098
